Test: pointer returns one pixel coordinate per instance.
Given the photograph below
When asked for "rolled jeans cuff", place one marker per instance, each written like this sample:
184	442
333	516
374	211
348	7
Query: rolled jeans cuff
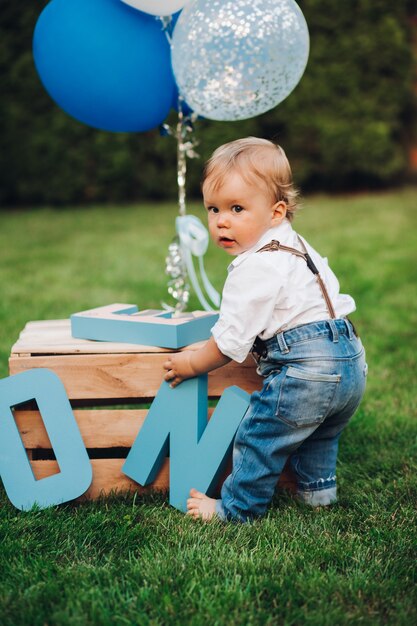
323	497
220	512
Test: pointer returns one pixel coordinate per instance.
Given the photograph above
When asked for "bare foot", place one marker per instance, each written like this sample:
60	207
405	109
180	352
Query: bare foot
200	505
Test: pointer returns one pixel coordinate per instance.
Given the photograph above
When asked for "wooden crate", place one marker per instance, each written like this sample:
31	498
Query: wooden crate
106	383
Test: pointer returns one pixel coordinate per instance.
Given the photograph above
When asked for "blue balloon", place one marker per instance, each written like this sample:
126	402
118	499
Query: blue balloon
105	63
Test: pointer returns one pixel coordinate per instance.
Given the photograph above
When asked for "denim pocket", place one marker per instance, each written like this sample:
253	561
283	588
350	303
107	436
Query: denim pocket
306	396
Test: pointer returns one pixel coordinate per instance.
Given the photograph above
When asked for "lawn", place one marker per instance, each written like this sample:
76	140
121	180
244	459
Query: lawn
131	560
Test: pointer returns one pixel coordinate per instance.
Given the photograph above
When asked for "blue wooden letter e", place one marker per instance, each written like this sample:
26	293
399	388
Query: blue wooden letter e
75	475
177	420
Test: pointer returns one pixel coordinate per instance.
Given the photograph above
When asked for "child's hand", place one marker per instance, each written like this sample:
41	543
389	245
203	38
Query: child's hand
179	368
190	363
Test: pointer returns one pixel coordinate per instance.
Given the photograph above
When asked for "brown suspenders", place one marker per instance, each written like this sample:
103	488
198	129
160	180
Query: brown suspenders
275	245
259	348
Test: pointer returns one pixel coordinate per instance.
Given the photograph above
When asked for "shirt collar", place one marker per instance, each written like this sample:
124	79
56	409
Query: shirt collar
280	233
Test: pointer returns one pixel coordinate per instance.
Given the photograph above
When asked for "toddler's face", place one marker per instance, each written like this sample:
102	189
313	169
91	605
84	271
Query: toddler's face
239	213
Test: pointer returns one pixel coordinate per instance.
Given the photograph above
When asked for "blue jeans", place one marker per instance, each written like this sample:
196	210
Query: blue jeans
314	380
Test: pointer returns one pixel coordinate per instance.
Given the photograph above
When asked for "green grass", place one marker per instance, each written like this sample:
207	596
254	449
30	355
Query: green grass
129	560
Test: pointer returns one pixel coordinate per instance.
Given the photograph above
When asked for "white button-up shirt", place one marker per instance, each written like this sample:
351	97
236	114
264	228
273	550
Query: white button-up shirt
268	292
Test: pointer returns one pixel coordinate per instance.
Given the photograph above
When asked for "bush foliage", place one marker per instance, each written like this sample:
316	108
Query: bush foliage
346	125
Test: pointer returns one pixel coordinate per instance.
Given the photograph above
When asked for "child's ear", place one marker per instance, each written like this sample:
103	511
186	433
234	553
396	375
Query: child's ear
279	212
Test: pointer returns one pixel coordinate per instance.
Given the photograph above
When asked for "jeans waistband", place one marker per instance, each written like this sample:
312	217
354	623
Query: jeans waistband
324	328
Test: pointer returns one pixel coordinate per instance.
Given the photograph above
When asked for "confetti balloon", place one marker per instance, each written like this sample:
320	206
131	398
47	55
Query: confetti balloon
235	59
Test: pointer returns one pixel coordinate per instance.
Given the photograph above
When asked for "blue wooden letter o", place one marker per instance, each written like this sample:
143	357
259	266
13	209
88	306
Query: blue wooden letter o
75	476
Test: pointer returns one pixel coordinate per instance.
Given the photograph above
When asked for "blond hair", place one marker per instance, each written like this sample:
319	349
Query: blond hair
257	157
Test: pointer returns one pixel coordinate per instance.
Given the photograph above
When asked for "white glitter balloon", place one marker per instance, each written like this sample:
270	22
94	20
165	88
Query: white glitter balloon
235	59
157	7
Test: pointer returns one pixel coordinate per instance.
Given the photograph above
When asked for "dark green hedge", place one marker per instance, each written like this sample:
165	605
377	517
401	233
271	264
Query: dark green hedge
348	124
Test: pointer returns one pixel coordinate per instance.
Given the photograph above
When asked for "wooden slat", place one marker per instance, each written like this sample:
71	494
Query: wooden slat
99	428
107	477
54	337
103	376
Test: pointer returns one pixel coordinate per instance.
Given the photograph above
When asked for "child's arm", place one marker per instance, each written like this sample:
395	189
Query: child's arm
193	363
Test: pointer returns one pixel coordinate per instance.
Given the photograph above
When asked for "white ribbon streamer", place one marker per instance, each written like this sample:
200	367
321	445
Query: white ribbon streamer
194	240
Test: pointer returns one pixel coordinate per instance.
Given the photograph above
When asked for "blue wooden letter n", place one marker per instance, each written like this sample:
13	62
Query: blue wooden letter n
177	421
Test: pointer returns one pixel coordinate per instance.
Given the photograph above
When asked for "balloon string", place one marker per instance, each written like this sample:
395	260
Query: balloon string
212	293
166	23
192	235
194	240
181	159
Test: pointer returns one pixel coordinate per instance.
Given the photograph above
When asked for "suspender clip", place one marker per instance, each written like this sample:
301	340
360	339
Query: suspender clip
259	348
310	264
